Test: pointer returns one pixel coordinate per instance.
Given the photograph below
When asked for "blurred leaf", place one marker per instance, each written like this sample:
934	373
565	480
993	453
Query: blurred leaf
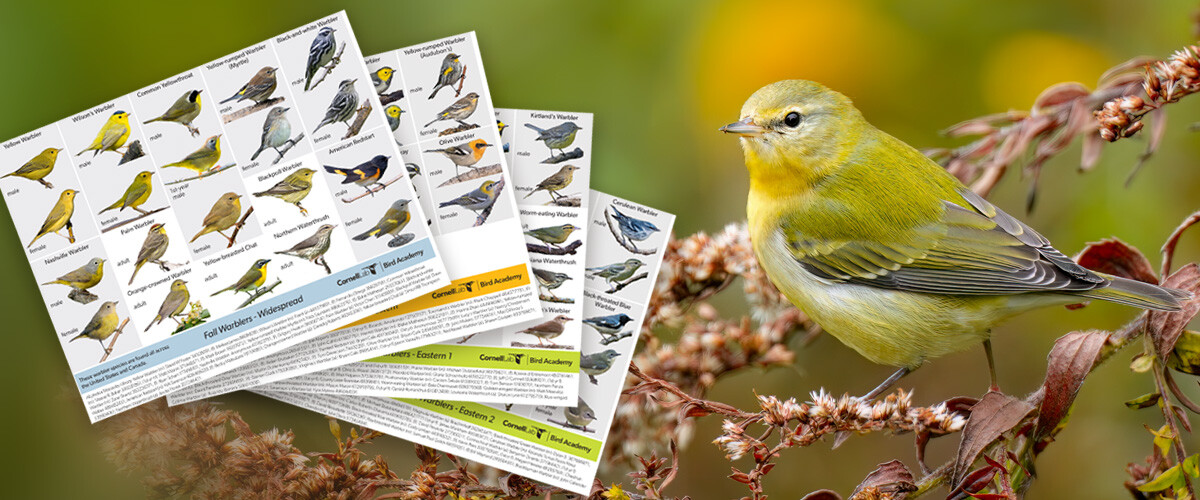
1113	256
1185	357
1164	328
1168	479
1069	362
1144	401
335	428
1162	438
994	415
891	478
1142	363
1191	465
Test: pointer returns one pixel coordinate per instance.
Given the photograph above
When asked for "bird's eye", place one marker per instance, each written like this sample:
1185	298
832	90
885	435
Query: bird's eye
792	119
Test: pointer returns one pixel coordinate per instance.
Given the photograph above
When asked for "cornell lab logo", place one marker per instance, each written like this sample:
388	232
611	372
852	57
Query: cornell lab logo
538	431
517	358
468	286
503	358
369	269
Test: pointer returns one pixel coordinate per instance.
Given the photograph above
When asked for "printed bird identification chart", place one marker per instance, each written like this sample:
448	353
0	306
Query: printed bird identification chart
189	228
560	446
460	172
535	362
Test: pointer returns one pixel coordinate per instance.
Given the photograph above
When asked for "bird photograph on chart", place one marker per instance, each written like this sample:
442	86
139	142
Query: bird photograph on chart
464	173
322	73
217	216
58	216
371	193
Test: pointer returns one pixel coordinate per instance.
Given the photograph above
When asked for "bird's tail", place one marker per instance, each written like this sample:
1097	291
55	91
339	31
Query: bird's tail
436	88
366	235
1139	294
56	282
77	337
335	170
152	120
232	97
136	268
260	193
539	130
431	122
256	153
530	193
151	324
7	175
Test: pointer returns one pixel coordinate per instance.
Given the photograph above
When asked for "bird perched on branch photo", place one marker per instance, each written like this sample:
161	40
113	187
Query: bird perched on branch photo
884	248
557	137
320	53
38	167
449	74
258	89
183	111
112	135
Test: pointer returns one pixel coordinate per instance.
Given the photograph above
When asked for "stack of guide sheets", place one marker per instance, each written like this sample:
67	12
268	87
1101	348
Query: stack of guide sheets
368	238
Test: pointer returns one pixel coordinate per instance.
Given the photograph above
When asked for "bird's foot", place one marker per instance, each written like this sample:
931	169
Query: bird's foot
592	379
303	211
47	184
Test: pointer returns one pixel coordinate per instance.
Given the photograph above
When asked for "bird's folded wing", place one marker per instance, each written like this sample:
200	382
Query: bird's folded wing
111	136
983	251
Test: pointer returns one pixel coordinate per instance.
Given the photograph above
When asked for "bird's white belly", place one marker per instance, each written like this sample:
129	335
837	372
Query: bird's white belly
886	326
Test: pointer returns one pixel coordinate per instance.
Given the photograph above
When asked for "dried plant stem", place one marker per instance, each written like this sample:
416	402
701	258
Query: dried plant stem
111	343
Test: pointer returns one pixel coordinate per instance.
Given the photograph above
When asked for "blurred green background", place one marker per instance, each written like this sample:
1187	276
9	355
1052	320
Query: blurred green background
661	77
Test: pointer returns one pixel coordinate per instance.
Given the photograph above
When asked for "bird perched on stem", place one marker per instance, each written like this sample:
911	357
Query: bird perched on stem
293	188
343	106
102	325
557	137
466	154
556	182
38	167
320	53
59	217
882	247
112	135
183	111
258	89
548	330
153	249
202	159
251	280
579	415
174	304
277	131
450	73
597	363
552	235
633	229
608	326
223	215
313	248
135	195
476	200
391	223
550	280
459	111
365	174
616	273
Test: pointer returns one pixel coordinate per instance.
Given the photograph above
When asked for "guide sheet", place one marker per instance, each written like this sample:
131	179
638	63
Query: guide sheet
193	226
560	446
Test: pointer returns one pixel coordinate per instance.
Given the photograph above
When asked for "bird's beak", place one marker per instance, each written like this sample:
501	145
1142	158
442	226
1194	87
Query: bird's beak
744	128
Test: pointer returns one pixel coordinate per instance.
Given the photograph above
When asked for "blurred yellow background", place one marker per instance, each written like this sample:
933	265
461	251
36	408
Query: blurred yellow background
661	77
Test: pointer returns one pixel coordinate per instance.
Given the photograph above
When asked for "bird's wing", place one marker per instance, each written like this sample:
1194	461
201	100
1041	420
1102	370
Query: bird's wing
76	276
288	186
214	215
308	242
113	134
969	251
150	247
134	192
250	277
197	155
